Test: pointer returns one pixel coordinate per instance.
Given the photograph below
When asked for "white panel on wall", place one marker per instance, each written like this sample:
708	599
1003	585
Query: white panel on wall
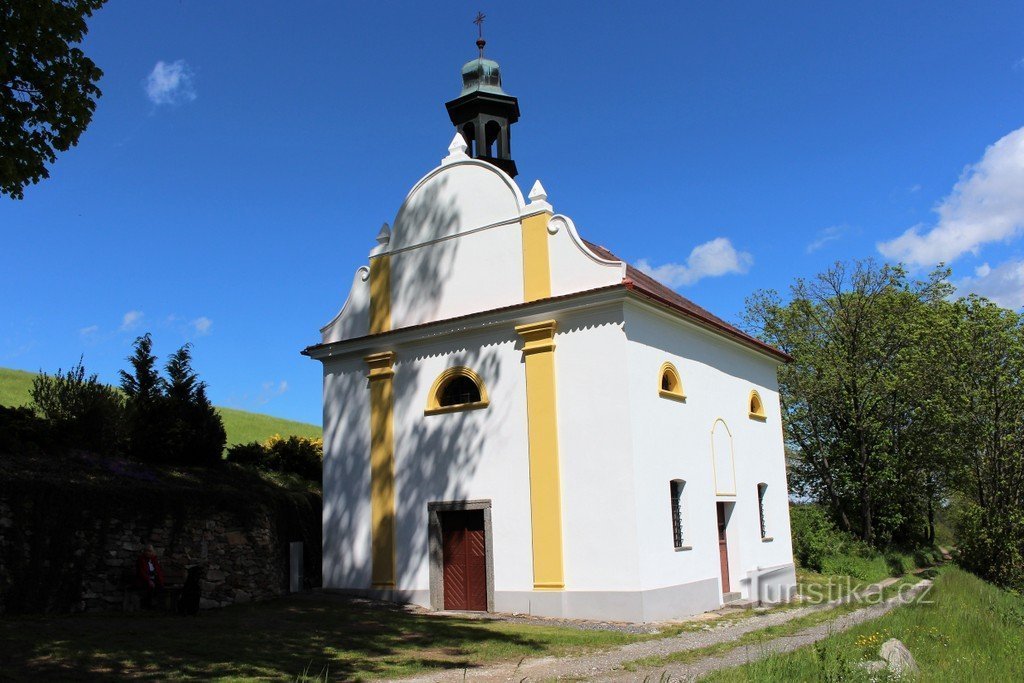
722	457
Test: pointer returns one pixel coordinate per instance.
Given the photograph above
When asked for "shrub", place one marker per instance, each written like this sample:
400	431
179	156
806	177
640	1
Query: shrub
298	454
22	431
815	537
991	546
251	454
295	454
82	411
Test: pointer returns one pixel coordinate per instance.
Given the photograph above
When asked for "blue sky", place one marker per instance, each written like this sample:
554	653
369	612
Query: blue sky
244	155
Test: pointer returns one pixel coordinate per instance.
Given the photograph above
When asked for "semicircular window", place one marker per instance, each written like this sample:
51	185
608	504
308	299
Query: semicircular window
456	389
459	390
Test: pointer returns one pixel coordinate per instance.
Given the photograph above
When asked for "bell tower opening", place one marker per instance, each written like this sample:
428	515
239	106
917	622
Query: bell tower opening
484	112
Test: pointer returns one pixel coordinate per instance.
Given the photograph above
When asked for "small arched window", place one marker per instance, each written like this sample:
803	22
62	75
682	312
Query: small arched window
756	410
456	389
669	384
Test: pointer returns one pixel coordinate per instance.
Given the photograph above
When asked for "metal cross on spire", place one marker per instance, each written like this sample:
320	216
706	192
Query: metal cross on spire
480	42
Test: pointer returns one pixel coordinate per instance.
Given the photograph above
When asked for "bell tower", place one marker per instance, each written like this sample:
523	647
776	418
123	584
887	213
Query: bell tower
484	113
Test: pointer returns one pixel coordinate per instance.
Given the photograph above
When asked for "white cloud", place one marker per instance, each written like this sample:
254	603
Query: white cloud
89	331
202	325
170	83
1003	284
271	390
711	259
130	321
825	236
986	205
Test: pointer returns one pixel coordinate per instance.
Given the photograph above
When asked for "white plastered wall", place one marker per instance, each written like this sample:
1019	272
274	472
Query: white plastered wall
467	455
673	440
592	386
346	479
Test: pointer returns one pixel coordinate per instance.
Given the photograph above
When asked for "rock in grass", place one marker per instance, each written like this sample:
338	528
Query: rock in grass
897	657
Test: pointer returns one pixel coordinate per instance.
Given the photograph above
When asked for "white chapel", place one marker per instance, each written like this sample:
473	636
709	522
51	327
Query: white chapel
515	420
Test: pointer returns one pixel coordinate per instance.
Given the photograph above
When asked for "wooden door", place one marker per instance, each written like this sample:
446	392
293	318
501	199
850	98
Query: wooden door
723	547
465	560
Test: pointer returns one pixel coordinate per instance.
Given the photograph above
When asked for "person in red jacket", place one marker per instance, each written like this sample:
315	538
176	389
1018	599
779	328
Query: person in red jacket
149	576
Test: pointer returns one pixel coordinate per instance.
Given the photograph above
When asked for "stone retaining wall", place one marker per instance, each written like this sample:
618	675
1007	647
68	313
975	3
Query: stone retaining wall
53	564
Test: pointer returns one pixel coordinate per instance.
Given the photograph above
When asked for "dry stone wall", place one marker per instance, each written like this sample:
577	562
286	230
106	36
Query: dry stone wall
55	560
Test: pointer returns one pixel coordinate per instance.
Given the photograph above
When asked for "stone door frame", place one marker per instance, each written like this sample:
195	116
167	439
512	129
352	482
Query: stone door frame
436	547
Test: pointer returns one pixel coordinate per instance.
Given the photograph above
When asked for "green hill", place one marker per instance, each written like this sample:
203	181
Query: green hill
241	426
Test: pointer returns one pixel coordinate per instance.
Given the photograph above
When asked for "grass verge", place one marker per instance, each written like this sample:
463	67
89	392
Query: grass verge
969	631
767	633
284	639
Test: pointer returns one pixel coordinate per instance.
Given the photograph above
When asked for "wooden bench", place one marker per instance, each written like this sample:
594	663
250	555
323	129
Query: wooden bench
166	600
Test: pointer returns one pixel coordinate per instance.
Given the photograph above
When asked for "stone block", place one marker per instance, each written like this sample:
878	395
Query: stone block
236	538
898	658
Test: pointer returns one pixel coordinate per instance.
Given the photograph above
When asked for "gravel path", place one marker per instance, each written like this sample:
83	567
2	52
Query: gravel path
606	665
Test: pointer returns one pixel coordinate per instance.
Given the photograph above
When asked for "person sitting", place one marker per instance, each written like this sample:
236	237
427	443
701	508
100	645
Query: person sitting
149	576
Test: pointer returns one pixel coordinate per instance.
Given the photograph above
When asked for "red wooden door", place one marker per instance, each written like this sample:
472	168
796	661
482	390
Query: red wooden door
465	560
723	548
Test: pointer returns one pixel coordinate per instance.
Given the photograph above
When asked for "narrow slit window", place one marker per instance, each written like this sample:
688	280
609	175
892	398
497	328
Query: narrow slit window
676	493
762	488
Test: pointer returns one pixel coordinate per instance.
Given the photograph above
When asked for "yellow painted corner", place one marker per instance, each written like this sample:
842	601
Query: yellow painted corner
536	260
380	294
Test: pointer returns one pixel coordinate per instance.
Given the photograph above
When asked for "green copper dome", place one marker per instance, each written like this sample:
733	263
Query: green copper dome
482	75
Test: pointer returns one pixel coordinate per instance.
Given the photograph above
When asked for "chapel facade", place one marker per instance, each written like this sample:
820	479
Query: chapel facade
516	420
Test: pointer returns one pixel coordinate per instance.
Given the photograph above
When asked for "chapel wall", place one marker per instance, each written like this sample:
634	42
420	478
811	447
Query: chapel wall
673	440
598	494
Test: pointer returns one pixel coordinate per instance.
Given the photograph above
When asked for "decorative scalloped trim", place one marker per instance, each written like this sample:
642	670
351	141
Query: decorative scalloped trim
363	274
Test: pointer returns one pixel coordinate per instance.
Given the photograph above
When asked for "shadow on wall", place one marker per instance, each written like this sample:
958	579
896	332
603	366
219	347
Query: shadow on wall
435	455
440	454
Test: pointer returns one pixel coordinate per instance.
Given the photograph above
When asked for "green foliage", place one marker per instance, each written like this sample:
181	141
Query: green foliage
815	537
22	431
170	420
989	547
241	426
196	432
901	399
294	454
82	412
964	630
47	88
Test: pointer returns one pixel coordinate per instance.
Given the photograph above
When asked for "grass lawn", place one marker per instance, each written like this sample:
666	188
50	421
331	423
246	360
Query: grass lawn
241	426
315	635
970	631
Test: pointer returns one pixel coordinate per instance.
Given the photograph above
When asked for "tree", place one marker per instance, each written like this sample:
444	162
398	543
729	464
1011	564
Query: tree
852	331
48	88
197	433
145	403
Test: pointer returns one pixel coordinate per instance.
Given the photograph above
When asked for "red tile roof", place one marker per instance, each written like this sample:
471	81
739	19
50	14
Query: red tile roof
643	284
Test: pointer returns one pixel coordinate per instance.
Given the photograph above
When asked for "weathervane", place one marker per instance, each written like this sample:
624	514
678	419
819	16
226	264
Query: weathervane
480	42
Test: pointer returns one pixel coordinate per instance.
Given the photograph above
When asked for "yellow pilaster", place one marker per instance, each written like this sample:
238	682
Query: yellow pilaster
382	468
380	294
542	425
536	266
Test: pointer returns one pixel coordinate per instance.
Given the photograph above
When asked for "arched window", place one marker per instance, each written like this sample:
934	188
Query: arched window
676	488
456	389
762	489
469	134
669	384
756	406
492	132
